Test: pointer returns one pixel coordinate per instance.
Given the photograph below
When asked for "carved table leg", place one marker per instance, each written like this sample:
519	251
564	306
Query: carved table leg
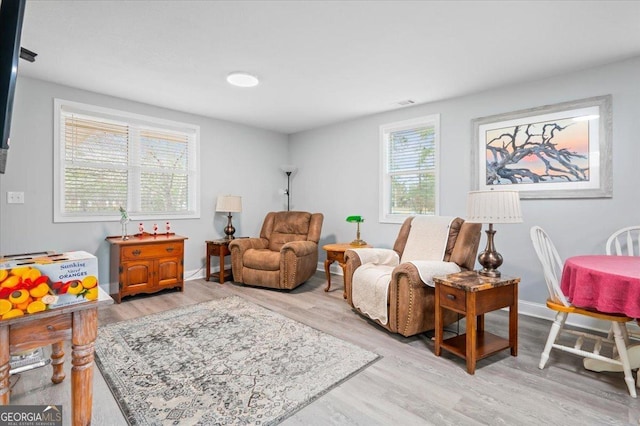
85	329
4	365
57	362
327	271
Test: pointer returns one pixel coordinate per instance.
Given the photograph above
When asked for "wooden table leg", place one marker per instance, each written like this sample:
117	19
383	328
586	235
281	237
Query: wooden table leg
208	263
221	266
438	323
85	330
4	365
57	362
513	323
471	332
327	264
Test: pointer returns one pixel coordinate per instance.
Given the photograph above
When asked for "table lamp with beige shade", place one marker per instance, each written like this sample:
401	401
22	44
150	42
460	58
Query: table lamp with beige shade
494	206
229	204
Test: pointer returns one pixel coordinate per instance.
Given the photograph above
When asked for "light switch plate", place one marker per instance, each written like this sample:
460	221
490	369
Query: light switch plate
15	197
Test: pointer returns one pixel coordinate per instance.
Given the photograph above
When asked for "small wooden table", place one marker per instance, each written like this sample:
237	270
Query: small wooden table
218	248
473	295
335	253
79	323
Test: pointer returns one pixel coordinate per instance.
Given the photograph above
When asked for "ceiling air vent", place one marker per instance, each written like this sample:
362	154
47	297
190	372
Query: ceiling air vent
406	102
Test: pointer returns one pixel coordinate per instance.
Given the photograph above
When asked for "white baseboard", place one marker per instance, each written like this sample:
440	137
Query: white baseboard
198	273
537	310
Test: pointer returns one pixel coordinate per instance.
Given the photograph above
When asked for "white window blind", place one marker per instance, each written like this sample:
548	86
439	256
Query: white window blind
107	159
409	169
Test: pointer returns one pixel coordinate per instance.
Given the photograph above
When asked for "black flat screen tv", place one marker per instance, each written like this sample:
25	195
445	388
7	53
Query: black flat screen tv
11	17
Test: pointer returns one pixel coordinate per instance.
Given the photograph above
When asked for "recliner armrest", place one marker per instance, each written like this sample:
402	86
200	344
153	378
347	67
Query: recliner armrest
378	256
243	244
300	248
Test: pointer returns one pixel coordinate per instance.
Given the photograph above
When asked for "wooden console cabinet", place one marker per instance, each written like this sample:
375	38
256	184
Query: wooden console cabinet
146	263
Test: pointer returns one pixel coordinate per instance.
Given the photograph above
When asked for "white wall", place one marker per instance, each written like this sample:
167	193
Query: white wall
345	158
234	159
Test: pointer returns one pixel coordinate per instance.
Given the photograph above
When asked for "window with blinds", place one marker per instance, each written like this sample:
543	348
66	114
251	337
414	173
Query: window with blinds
409	168
107	159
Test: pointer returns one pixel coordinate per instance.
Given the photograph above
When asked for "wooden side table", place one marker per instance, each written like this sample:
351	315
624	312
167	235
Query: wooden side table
335	253
473	295
218	248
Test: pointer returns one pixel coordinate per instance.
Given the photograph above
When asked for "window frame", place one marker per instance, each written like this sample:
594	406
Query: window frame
138	120
433	120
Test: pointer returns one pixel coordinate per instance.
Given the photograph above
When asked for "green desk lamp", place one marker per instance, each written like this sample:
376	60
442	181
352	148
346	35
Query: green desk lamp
358	220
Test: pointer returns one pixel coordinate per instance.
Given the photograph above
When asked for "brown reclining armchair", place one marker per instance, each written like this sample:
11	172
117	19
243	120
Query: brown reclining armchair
285	255
411	303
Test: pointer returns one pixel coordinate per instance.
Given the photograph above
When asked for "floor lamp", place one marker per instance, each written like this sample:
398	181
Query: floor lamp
288	169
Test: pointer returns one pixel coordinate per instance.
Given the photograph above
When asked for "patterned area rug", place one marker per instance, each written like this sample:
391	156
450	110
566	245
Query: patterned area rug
227	362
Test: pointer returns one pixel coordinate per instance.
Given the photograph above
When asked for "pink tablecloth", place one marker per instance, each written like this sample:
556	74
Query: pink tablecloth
607	283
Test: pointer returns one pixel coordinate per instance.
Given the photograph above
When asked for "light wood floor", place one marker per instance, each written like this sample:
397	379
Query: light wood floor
408	386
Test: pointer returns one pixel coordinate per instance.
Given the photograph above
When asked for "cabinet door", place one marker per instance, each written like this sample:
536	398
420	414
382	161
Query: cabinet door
136	276
169	271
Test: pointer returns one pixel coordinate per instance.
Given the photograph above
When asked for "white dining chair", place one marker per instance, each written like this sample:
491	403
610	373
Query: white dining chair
557	301
624	242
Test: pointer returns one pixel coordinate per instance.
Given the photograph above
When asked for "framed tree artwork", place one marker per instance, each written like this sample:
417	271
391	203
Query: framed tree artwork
554	151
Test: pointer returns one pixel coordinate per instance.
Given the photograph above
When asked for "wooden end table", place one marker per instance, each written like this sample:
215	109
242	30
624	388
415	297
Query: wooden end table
218	248
335	253
473	295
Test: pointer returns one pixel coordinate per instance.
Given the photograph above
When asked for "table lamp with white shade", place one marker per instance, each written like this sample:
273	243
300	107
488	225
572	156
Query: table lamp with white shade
229	204
492	207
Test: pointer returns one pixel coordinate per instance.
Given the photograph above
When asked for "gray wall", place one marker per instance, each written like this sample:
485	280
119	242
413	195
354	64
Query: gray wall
337	174
234	159
345	157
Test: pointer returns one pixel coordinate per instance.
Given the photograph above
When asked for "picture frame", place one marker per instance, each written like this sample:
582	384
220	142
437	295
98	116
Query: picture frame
554	151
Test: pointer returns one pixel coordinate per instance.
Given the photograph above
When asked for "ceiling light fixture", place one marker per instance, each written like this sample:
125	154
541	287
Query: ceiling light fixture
242	79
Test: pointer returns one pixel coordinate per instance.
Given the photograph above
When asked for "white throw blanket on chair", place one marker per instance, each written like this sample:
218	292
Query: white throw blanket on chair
427	241
370	283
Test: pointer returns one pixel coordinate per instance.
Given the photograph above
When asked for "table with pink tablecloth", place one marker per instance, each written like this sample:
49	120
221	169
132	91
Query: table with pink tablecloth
607	283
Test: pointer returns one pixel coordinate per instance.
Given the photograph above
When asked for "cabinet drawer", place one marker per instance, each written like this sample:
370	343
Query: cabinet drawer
453	298
37	333
151	250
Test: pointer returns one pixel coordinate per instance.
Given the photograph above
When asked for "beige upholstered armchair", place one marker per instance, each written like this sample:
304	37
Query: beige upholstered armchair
410	303
285	255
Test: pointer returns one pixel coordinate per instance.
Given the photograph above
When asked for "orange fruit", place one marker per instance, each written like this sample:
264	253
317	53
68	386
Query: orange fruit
75	287
24	304
13	313
20	271
19	296
10	282
89	281
5	306
39	291
31	274
36	306
3	275
91	294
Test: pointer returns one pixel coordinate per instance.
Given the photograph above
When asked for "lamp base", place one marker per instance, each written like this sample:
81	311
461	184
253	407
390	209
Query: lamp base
358	243
492	273
490	259
229	230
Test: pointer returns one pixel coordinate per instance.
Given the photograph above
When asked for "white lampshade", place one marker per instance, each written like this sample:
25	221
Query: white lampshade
229	203
494	207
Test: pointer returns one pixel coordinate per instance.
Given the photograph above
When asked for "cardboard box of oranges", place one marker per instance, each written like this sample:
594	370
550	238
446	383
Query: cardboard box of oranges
35	283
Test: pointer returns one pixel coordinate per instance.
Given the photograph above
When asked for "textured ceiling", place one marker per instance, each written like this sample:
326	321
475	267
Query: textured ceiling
319	62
